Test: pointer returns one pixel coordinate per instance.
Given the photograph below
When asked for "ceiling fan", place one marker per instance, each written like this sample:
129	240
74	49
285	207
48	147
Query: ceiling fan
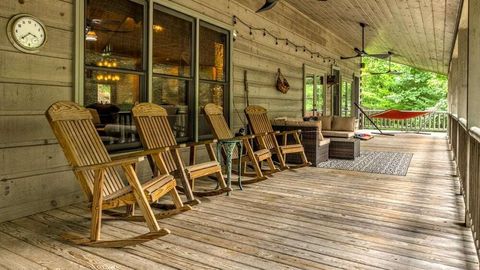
362	52
389	72
269	4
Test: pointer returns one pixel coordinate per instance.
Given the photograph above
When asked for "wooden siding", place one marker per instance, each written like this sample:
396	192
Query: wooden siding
34	175
309	218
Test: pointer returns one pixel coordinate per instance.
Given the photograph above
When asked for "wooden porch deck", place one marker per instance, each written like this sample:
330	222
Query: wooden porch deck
310	218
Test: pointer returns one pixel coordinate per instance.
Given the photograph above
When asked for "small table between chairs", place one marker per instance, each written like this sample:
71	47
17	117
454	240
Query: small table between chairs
229	147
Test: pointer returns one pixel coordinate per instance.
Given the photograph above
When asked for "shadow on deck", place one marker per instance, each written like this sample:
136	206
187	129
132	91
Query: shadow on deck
310	218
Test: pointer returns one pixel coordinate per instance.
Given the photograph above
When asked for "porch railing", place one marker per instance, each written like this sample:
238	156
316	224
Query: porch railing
435	121
465	145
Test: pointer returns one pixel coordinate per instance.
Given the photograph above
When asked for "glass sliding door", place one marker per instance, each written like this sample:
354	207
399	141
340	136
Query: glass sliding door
314	95
314	91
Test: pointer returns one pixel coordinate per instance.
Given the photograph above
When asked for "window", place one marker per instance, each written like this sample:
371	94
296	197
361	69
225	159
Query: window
346	99
314	90
173	78
115	67
212	71
116	57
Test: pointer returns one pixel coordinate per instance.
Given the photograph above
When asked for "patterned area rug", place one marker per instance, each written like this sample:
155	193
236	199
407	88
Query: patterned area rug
373	162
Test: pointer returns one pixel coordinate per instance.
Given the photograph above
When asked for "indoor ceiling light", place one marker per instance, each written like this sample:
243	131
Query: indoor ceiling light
91	36
157	28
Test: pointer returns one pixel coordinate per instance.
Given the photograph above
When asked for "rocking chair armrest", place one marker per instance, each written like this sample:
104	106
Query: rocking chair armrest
244	137
123	159
281	133
113	163
140	154
190	144
263	134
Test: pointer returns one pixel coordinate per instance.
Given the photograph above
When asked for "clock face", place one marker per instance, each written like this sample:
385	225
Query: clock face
27	32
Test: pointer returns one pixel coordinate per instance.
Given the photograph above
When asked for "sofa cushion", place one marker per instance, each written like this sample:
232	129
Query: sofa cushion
338	134
343	123
326	122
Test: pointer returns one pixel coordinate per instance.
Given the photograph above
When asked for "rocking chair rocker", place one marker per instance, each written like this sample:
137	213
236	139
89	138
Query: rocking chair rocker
155	132
101	182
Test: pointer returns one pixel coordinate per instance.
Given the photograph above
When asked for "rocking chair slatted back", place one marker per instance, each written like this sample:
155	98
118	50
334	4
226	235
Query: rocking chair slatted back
221	131
82	145
259	123
214	115
155	131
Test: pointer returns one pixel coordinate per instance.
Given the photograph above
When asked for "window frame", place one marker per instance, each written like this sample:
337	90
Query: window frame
226	83
347	103
314	71
79	68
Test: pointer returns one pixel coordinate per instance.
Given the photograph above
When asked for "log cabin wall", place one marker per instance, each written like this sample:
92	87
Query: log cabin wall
34	175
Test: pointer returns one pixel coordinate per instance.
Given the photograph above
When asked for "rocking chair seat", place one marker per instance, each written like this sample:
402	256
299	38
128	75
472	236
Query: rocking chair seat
292	148
262	153
154	189
201	166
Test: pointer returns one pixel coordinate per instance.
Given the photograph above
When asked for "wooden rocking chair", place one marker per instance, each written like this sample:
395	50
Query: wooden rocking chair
101	182
155	132
221	131
259	123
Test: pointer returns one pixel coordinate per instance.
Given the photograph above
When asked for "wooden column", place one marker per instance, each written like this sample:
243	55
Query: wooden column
473	111
452	87
462	82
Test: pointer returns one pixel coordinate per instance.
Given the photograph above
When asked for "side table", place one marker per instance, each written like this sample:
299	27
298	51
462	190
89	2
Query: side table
229	147
347	148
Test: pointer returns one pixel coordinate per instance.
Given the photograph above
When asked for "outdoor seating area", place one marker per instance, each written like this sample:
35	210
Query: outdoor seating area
239	134
296	219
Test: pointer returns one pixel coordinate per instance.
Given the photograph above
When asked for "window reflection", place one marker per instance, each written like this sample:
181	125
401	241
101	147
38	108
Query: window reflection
172	94
213	69
115	34
114	68
209	93
172	67
172	43
212	54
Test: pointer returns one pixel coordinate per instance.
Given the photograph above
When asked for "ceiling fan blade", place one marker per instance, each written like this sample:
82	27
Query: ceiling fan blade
380	55
349	57
269	4
395	73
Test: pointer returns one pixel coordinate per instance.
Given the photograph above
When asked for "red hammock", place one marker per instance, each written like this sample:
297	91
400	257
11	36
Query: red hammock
397	114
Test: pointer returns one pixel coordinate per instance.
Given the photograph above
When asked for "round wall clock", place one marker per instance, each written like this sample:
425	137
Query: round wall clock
26	33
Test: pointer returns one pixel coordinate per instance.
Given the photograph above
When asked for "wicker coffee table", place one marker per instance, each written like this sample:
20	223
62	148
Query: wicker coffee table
345	148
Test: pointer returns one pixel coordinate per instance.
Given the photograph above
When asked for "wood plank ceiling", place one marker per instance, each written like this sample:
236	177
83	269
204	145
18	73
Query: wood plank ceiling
419	32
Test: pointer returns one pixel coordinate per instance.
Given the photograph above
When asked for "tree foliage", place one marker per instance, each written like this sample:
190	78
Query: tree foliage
414	89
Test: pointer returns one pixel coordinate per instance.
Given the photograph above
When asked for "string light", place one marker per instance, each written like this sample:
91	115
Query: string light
288	42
